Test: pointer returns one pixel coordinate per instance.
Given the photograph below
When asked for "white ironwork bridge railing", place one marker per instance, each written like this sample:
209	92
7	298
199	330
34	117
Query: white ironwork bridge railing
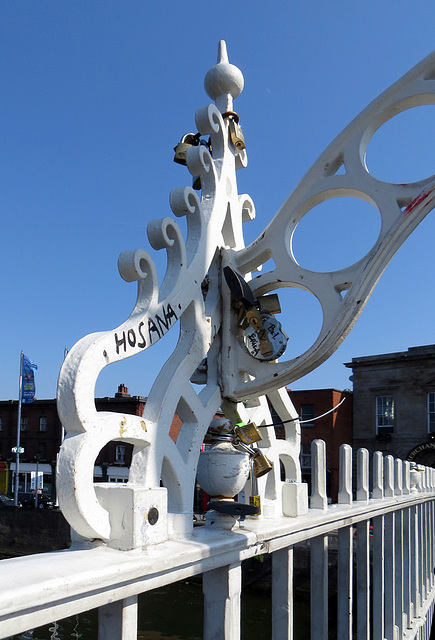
132	538
385	561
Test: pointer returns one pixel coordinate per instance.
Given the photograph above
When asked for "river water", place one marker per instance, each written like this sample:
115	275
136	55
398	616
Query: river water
175	612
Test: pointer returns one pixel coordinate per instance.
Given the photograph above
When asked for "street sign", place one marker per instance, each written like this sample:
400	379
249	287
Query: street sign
17	450
39	483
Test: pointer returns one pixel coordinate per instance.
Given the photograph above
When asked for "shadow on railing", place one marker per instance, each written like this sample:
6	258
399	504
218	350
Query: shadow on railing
383	532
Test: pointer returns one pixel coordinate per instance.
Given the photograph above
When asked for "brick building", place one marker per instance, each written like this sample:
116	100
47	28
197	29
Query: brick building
41	435
335	428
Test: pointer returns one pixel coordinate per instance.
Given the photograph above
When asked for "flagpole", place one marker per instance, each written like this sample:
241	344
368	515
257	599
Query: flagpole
17	459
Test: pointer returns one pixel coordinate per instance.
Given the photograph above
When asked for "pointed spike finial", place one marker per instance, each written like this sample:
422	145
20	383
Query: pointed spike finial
222	52
224	81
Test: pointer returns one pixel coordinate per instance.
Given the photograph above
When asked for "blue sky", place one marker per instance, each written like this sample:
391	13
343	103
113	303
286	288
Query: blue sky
95	95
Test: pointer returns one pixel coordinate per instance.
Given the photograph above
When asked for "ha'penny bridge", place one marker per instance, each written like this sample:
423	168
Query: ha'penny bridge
230	358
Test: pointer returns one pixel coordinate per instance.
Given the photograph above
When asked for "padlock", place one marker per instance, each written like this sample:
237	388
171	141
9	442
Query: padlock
248	433
256	322
235	130
261	465
187	141
254	498
255	501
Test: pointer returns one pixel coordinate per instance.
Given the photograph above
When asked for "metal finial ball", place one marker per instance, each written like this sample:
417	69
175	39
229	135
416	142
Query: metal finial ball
224	78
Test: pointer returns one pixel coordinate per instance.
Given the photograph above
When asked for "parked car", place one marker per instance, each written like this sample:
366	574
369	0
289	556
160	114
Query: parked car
27	499
6	501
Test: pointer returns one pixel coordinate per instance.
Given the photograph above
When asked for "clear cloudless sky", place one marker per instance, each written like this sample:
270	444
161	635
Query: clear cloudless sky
95	95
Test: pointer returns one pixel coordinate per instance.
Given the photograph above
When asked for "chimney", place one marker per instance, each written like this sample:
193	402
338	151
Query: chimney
122	392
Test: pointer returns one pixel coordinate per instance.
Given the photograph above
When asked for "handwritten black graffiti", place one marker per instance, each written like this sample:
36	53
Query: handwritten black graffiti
146	333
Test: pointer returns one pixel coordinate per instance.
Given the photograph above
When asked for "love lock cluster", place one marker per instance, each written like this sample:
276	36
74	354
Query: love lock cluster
263	334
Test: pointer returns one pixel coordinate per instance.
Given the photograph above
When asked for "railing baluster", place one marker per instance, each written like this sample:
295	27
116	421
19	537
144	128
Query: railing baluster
406	568
345	582
398	552
362	488
363	579
378	551
282	594
222	588
345	475
378	578
319	588
389	560
378	475
118	620
414	539
319	498
389	578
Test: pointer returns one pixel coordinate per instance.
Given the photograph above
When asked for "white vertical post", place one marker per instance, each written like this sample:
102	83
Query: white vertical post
388	476
118	620
362	487
319	588
222	588
378	475
282	594
345	475
398	570
406	565
345	583
378	578
415	580
389	576
319	498
363	579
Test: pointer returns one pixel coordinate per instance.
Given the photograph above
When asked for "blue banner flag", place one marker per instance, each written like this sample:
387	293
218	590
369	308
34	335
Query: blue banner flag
28	388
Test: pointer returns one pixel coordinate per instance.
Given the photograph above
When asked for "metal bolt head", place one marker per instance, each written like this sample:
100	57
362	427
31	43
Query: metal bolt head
153	515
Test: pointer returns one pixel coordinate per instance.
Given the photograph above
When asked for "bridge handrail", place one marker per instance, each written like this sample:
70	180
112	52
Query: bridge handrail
38	589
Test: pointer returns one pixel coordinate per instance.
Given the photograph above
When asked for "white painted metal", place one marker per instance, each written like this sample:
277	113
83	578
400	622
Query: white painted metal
282	594
345	582
319	587
38	589
222	588
345	475
319	498
134	538
378	578
363	579
362	490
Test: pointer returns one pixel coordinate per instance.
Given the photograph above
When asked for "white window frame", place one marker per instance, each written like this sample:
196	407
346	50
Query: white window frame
120	454
310	418
431	412
24	426
385	410
43	423
306	455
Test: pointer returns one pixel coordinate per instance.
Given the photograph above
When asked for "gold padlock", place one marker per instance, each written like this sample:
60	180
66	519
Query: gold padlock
261	465
255	501
187	141
235	130
255	320
248	433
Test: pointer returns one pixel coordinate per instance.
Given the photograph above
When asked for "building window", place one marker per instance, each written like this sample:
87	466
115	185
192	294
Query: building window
120	454
1	424
306	455
43	424
24	424
42	452
384	414
431	412
307	415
